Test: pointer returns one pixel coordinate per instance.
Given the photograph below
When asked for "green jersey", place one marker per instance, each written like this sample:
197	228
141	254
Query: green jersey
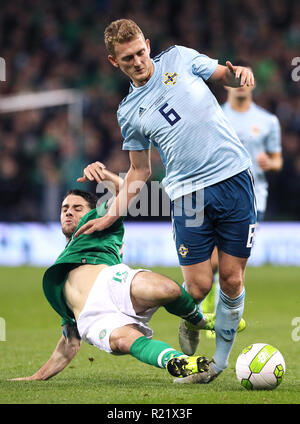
100	247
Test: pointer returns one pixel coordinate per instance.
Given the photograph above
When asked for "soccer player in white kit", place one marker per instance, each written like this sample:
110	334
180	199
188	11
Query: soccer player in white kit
170	106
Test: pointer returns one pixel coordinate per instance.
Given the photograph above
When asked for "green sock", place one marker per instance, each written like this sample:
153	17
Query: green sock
153	352
185	307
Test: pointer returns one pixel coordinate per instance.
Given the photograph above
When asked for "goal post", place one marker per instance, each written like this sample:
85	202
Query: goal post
71	98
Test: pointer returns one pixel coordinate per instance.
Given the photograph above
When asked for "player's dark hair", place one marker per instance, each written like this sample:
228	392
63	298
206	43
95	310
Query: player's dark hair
91	198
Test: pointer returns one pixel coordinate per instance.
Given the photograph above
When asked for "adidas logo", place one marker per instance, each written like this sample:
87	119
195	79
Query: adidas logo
141	111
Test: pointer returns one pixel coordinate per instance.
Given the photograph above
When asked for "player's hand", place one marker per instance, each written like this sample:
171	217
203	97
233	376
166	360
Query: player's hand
245	74
264	161
92	172
31	378
98	224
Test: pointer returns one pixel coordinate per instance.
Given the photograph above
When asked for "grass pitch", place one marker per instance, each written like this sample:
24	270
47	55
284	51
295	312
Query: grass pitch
95	377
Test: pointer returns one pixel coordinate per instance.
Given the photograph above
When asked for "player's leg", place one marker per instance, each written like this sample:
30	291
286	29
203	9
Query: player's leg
129	340
149	290
230	307
109	321
214	260
198	287
195	240
198	279
234	233
210	302
193	231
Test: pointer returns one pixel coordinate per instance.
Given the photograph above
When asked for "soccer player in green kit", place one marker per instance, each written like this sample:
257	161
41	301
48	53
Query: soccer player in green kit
106	303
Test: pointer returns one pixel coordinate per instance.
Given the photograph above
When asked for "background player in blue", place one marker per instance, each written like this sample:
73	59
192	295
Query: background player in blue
259	131
170	105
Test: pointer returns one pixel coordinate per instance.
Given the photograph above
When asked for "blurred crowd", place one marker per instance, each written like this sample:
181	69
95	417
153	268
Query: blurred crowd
49	45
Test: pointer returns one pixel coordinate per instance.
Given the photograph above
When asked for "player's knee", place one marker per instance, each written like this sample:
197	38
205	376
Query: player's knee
166	290
121	338
122	345
171	290
232	284
198	290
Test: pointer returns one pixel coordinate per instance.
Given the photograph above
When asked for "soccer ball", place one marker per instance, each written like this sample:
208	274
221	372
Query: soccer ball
260	366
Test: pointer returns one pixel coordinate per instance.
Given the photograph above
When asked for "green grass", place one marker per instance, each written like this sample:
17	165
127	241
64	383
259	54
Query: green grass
33	329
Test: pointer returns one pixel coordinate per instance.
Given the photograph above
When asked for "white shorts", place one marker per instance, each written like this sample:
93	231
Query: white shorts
109	306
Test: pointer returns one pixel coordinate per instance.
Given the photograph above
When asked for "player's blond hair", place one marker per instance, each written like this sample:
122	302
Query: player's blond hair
120	31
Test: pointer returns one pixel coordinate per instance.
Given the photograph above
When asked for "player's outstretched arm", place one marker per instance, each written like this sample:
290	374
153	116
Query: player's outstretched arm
65	350
138	174
233	76
97	171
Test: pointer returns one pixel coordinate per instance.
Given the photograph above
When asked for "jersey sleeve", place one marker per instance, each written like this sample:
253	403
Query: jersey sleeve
70	330
200	64
133	139
273	140
70	321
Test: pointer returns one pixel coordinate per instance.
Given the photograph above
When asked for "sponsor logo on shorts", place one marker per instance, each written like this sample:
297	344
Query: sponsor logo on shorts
102	334
183	251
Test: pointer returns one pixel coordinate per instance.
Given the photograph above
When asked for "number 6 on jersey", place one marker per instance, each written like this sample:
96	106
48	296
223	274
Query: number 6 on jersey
171	116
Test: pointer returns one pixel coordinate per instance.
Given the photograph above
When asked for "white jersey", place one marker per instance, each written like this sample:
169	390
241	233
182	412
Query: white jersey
176	112
259	131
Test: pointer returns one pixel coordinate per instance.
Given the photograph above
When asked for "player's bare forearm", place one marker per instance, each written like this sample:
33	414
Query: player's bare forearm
133	183
275	165
114	179
64	352
277	162
270	161
232	76
138	174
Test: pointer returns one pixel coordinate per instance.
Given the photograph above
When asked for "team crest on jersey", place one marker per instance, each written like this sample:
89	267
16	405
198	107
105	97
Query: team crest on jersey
255	130
183	251
170	78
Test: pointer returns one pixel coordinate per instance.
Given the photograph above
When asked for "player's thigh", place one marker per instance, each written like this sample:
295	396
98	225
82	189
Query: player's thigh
237	219
214	260
198	279
150	289
193	231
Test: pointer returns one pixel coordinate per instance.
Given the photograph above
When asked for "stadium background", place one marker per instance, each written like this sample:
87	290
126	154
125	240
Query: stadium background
50	46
